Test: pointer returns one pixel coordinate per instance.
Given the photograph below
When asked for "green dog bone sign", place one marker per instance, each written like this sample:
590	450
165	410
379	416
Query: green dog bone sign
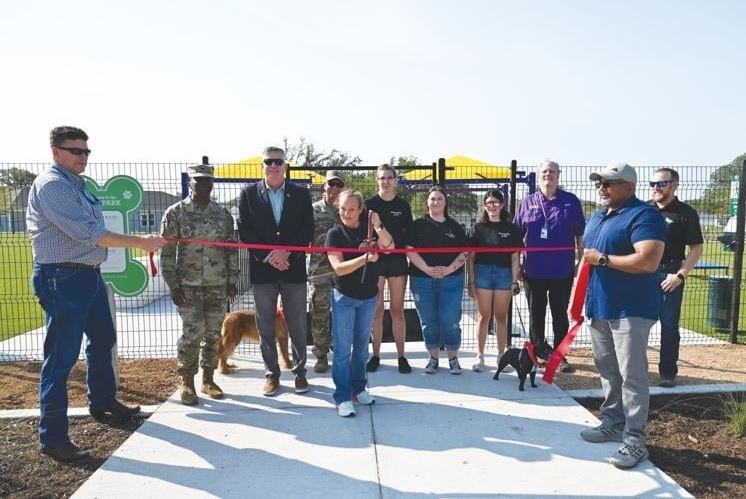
119	198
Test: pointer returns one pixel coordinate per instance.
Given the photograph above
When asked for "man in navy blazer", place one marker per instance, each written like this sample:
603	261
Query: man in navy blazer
277	212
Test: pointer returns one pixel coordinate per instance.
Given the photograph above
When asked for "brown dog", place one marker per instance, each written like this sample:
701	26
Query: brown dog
242	325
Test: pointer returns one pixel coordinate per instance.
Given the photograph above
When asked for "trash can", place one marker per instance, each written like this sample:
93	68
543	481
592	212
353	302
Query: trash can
719	297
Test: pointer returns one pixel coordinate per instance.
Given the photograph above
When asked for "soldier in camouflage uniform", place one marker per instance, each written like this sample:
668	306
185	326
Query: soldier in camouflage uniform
201	278
325	215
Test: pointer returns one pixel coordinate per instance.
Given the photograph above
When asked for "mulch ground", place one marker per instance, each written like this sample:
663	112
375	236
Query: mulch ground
690	435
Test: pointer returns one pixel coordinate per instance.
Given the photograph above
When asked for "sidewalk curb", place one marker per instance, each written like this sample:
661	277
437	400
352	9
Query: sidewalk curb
73	412
676	390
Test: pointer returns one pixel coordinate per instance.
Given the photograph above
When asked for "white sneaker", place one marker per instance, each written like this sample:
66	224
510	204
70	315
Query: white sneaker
478	366
432	366
364	398
346	409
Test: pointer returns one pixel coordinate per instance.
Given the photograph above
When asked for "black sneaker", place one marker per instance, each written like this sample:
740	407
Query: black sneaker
404	366
565	366
373	364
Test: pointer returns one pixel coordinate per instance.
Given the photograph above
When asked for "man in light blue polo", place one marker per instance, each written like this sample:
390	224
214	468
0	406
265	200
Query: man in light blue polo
624	243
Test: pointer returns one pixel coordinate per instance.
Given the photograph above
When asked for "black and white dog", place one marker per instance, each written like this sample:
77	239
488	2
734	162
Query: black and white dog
525	361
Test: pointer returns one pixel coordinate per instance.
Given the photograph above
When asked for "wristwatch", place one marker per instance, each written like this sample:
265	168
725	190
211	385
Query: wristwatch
603	260
680	276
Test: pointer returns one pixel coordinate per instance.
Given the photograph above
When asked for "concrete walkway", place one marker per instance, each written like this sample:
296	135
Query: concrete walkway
426	436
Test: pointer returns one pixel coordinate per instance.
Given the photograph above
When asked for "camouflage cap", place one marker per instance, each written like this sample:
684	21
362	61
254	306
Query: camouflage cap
332	174
196	171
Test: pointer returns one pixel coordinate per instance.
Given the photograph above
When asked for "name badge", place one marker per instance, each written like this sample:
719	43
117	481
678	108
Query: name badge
544	232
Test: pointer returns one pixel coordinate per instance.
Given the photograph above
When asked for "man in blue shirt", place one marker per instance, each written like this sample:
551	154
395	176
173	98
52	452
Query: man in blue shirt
624	243
69	243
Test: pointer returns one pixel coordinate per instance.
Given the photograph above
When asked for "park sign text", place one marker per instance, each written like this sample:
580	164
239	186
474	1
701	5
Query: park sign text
119	197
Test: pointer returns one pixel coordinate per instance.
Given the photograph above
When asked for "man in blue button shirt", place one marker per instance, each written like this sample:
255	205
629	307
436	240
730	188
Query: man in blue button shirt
624	243
69	243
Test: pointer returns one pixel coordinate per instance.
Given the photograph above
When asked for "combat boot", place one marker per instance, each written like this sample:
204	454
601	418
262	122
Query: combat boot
322	364
208	384
188	393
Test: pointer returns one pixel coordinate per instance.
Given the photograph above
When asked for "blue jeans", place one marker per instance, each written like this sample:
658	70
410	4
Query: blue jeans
352	321
438	303
74	301
492	277
669	317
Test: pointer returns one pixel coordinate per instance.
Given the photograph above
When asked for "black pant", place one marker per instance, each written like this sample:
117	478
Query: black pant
558	291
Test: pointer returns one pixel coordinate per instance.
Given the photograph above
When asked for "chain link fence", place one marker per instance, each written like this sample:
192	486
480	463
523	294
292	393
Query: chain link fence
148	325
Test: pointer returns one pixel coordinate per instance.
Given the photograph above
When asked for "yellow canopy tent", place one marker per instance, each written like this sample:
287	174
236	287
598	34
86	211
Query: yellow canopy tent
251	168
464	168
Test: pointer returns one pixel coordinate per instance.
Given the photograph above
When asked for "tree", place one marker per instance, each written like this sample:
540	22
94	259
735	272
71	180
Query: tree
716	195
16	178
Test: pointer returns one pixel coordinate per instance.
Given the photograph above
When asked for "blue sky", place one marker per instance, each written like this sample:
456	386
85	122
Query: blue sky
585	82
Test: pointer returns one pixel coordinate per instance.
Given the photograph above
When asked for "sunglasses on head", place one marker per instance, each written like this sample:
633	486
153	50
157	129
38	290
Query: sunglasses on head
274	161
335	183
660	184
75	151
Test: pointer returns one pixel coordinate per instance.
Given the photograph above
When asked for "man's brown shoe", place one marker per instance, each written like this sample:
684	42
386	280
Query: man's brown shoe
301	384
271	386
65	452
117	410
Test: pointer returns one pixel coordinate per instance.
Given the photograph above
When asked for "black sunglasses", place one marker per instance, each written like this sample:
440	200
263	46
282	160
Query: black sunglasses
76	151
660	184
607	183
271	161
335	183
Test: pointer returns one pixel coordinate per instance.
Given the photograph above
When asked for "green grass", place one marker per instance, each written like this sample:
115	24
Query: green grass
20	312
694	310
735	407
19	309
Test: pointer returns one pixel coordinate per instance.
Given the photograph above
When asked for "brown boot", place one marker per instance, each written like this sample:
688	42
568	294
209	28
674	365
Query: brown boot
208	384
188	393
322	364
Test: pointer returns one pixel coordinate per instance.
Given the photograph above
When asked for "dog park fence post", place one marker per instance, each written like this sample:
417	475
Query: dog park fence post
114	357
738	257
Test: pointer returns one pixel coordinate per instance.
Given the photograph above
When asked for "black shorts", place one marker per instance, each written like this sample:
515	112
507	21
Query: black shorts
392	265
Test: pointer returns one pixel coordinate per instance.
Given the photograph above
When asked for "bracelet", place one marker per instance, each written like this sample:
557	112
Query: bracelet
680	276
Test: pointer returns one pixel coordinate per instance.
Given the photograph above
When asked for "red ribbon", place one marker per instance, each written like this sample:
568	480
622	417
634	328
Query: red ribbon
329	249
575	312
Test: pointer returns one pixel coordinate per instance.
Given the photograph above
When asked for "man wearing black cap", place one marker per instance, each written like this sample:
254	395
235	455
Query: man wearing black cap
325	216
624	243
201	279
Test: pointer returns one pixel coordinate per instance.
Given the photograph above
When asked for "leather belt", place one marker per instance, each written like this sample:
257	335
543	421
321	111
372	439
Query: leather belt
74	265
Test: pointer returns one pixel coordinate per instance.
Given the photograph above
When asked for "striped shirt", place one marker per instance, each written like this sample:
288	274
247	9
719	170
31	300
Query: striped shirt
64	220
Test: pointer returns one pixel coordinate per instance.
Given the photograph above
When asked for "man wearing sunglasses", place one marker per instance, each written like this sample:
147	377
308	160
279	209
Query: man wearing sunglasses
682	222
624	243
277	212
69	242
325	216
